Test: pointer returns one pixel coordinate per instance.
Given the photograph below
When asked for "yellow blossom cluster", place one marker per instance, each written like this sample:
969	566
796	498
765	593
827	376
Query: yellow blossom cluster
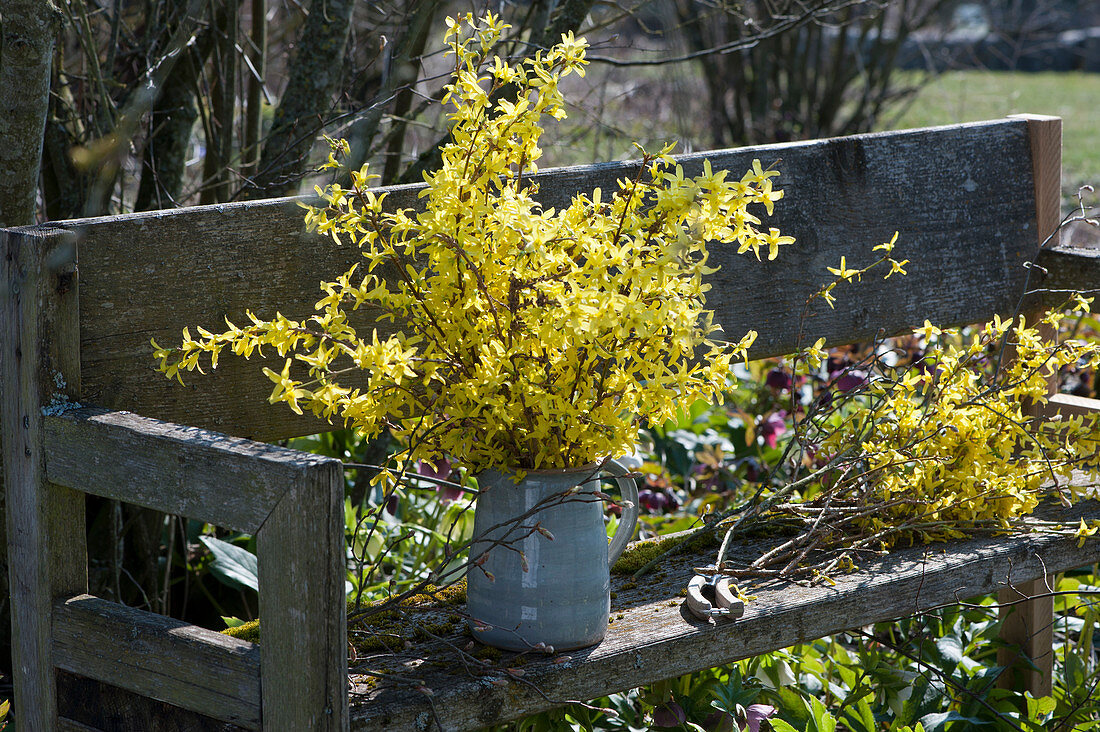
956	443
844	273
529	337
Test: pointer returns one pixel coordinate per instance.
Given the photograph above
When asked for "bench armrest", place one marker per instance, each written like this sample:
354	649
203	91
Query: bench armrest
292	501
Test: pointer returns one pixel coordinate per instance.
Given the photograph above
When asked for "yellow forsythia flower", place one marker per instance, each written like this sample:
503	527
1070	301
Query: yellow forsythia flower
1085	530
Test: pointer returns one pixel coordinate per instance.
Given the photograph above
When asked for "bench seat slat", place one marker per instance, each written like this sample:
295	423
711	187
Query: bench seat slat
655	638
158	657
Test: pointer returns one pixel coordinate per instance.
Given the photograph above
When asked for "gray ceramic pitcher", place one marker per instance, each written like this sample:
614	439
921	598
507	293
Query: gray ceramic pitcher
562	596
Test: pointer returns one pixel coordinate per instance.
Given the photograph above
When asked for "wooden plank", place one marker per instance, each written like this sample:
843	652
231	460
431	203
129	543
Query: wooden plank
39	357
1029	625
5	593
93	706
1069	405
158	657
187	471
652	637
1027	612
1045	142
960	196
68	725
1069	270
302	576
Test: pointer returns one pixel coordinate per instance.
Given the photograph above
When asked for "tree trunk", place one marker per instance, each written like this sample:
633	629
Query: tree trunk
404	74
30	28
164	157
257	55
562	18
314	76
64	186
216	173
390	89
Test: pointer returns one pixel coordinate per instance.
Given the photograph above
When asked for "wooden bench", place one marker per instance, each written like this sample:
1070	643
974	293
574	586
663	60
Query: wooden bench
82	299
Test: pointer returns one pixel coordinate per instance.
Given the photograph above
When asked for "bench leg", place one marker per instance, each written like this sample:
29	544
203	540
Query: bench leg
39	361
1028	626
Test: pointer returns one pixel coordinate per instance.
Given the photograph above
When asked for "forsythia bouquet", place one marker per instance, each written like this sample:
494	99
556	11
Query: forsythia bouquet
530	338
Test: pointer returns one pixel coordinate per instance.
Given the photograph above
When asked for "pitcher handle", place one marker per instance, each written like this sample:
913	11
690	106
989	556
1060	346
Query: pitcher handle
629	519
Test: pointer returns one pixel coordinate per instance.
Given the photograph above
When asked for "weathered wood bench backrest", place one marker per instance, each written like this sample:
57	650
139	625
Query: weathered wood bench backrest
962	198
83	298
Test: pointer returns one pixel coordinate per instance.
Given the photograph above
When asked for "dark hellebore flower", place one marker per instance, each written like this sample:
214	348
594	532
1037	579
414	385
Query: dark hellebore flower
440	470
774	425
658	500
851	380
757	713
778	379
669	714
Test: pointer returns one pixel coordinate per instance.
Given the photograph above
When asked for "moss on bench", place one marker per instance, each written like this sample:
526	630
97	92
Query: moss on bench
387	622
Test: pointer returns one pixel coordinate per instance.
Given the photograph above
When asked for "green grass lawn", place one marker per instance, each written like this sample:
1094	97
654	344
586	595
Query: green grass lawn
969	96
